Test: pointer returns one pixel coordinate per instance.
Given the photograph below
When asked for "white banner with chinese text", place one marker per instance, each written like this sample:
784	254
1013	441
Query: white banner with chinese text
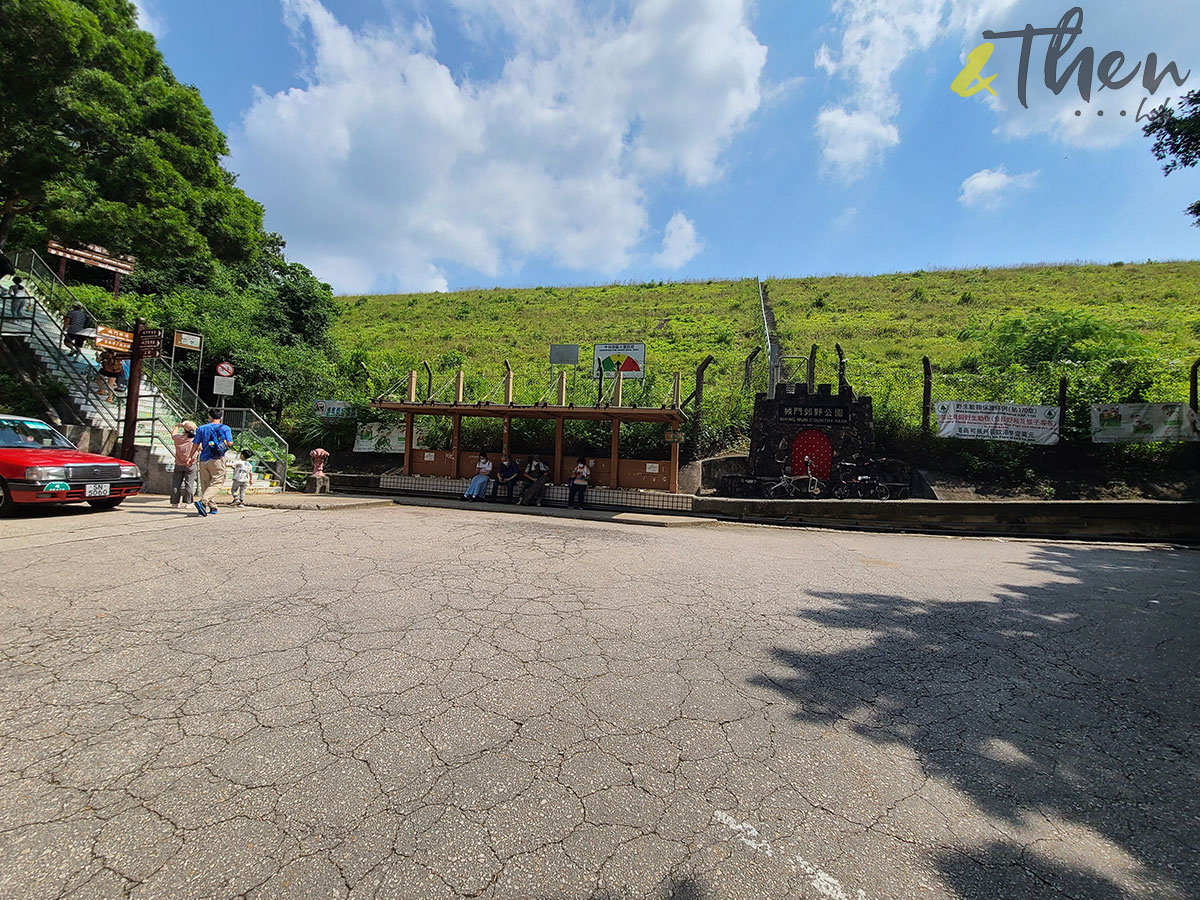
997	422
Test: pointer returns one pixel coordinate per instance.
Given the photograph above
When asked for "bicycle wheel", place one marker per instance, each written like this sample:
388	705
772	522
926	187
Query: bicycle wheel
841	492
881	491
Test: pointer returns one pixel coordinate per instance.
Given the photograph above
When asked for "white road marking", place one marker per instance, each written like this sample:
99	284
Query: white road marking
822	882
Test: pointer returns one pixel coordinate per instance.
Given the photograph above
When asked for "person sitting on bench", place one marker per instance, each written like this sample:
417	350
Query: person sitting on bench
477	489
507	474
536	475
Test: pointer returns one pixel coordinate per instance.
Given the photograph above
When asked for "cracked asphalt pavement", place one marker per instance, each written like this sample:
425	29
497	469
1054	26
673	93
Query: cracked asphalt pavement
414	703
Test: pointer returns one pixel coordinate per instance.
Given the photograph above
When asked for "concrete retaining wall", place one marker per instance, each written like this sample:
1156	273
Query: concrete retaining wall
1136	520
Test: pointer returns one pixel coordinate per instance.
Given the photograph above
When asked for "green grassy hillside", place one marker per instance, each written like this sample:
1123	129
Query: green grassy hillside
897	319
478	330
884	323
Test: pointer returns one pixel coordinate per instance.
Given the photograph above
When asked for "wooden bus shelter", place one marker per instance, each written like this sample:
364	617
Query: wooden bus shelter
670	417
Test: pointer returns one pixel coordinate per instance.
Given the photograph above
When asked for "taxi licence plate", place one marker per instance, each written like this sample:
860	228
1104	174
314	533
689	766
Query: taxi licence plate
96	490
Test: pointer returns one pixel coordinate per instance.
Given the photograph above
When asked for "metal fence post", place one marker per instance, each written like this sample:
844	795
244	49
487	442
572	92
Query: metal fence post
812	370
1062	408
927	395
1194	398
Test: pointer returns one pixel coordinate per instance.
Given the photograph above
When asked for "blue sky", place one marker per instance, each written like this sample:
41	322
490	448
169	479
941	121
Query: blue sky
420	145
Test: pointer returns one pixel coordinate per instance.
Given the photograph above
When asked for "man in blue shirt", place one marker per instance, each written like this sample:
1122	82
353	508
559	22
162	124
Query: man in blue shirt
209	446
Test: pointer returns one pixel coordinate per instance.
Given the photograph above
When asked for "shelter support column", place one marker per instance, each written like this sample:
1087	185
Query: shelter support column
408	443
673	473
506	441
455	423
558	450
616	451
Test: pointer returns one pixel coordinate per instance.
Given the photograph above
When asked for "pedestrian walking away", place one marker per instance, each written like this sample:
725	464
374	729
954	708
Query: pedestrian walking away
183	479
243	472
76	326
209	447
106	378
578	484
20	298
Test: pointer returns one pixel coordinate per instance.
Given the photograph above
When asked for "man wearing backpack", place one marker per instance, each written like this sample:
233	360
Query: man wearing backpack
209	446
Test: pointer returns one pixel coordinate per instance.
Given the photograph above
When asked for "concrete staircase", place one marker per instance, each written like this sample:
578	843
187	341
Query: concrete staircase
158	410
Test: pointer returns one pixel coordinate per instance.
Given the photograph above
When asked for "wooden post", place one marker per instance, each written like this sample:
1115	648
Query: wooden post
1062	409
129	432
506	440
458	386
676	391
508	387
616	447
556	477
1194	398
811	374
562	388
116	285
617	391
927	395
408	433
62	268
455	423
673	474
412	385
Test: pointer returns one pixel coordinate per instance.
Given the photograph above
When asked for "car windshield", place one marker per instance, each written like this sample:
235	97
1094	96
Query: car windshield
31	434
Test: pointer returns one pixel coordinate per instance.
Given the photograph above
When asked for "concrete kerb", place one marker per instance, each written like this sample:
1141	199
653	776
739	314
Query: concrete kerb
1116	520
1175	522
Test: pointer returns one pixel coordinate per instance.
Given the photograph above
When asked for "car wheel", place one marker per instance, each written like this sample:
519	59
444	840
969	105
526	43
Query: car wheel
106	504
882	492
6	501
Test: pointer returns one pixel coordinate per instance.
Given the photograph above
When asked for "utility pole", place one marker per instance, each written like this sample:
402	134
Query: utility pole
129	431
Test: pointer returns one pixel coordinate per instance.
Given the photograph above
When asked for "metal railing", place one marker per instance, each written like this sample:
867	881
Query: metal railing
251	431
170	398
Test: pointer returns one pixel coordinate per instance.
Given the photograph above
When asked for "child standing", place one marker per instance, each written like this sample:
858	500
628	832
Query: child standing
243	471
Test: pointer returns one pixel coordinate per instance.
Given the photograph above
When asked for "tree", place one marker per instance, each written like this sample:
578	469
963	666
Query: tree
102	145
1177	138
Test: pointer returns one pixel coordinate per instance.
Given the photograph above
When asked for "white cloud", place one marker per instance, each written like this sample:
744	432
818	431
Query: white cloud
878	37
846	218
150	18
853	140
386	171
989	189
680	243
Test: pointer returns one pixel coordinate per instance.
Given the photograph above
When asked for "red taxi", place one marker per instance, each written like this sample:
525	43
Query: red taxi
39	465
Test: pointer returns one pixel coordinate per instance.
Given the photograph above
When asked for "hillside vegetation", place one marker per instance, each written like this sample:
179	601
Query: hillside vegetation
1000	334
897	319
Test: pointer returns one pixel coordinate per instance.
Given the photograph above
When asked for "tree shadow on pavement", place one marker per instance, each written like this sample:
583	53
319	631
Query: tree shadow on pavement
1071	698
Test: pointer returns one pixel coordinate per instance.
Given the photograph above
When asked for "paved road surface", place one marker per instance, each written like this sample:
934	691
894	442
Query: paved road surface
410	703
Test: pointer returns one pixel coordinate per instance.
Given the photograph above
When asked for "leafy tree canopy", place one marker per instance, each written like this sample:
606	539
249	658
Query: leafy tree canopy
102	144
1177	138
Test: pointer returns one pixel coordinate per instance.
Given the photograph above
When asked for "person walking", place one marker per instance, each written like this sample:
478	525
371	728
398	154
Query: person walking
20	298
209	447
578	484
183	479
243	473
106	378
76	326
